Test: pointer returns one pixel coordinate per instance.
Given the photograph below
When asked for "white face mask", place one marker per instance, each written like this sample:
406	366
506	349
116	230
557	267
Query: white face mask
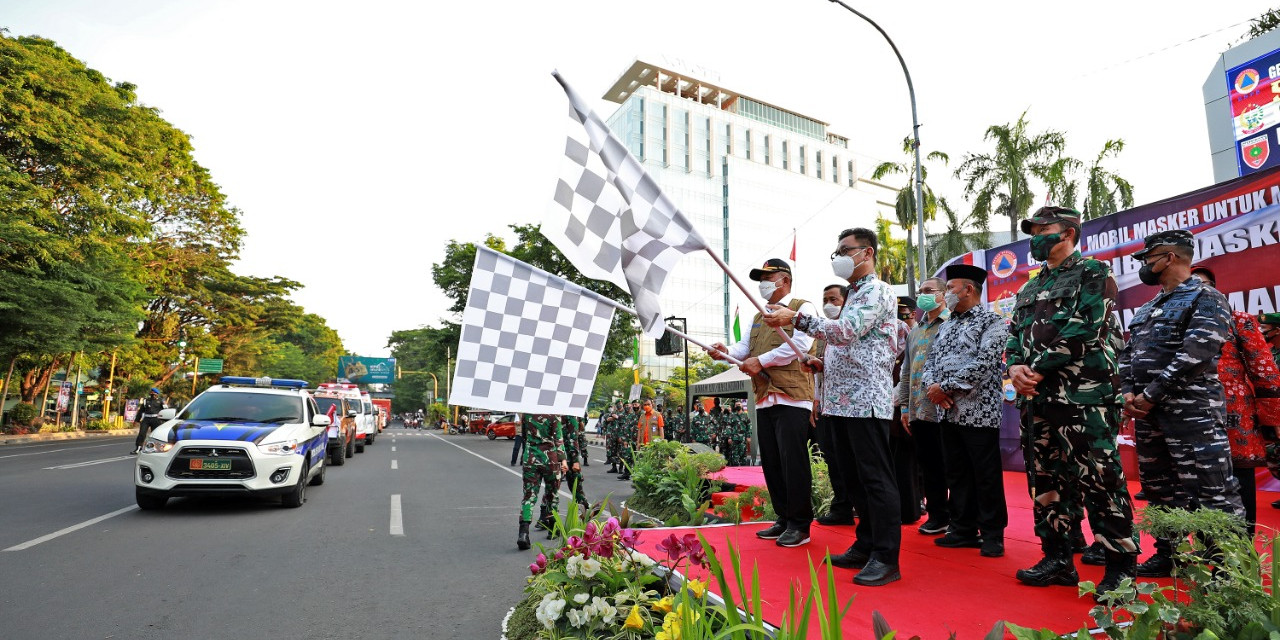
951	301
831	311
843	267
767	289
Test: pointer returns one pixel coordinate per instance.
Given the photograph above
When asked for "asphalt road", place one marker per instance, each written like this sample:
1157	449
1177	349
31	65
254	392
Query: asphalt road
79	560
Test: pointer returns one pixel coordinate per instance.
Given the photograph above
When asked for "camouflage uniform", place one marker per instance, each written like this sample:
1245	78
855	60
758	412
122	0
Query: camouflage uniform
700	427
575	446
544	450
715	428
627	434
609	430
734	443
1184	457
677	427
1063	329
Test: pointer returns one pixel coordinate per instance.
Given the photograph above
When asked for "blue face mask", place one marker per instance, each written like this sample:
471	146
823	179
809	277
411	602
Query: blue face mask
927	302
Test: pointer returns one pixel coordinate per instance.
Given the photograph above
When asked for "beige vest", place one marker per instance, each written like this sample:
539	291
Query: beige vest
789	379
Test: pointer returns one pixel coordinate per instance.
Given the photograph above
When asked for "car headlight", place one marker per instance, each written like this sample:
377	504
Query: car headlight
279	448
156	446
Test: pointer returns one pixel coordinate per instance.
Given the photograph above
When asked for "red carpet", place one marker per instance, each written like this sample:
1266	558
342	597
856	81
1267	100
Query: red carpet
942	590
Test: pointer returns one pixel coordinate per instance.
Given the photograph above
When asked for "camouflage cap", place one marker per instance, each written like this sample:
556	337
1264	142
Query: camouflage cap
1170	238
1272	319
1050	215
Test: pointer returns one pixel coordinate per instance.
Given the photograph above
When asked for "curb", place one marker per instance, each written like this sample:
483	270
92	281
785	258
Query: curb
65	435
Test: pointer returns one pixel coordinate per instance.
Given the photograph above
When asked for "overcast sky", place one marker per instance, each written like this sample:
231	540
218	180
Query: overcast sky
358	138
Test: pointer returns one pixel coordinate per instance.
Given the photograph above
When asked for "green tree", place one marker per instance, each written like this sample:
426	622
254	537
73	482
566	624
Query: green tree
904	207
999	182
891	255
955	240
1104	191
1269	20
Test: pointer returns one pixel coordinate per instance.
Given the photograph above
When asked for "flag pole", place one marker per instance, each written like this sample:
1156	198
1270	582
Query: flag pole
711	252
678	333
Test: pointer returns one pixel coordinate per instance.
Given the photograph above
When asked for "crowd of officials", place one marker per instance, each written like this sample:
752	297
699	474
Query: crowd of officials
905	396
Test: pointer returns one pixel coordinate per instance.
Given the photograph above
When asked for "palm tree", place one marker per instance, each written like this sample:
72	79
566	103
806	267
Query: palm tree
1000	182
954	241
1106	192
905	206
891	255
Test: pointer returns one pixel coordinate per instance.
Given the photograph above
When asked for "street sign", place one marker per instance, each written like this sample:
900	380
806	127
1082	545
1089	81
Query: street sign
209	365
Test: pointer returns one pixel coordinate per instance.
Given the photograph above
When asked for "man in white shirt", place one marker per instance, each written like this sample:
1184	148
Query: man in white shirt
784	400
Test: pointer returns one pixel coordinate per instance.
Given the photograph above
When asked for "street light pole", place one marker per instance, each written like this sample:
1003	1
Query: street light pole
915	131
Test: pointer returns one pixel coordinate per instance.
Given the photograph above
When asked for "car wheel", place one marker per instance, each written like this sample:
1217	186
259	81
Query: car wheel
149	501
511	437
319	477
493	435
337	457
295	498
360	447
368	440
351	448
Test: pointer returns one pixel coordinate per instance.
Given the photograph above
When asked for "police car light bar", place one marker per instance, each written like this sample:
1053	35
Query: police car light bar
264	382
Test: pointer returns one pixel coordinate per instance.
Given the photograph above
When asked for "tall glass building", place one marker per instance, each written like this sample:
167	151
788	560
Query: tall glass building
752	177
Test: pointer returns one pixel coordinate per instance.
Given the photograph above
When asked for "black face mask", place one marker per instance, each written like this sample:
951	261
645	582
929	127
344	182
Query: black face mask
1148	275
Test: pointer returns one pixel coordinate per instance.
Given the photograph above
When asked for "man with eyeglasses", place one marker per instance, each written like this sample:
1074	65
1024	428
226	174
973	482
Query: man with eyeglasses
857	395
1169	378
1061	359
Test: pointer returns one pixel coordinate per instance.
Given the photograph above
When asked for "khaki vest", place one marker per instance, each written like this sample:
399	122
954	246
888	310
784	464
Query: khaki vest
789	379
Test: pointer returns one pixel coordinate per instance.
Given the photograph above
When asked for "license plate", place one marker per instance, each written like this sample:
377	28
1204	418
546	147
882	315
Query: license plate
207	464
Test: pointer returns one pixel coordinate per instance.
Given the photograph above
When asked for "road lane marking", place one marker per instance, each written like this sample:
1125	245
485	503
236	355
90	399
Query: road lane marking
76	465
71	529
518	474
393	449
395	465
40	453
397	518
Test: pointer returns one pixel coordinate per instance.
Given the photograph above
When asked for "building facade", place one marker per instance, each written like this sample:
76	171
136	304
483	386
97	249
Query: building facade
753	178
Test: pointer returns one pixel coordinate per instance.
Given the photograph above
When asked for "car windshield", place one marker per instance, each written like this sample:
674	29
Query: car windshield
326	403
241	406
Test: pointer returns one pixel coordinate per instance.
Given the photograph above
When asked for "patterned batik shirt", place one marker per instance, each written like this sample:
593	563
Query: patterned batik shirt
861	348
910	393
964	360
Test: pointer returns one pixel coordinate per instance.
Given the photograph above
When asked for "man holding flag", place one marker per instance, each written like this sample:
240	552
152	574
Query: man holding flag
784	399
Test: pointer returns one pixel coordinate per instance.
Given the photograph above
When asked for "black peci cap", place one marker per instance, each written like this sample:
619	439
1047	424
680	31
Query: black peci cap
772	265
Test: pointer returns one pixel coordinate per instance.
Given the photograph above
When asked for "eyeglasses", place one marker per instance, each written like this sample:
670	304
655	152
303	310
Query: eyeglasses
844	251
929	290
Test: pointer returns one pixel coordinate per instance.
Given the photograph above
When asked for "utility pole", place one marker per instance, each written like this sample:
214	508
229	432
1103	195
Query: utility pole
111	379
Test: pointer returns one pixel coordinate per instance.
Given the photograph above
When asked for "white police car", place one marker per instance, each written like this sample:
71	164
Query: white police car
244	436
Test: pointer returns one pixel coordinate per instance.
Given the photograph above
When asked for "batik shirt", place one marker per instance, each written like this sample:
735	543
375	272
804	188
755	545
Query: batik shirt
964	360
861	348
910	392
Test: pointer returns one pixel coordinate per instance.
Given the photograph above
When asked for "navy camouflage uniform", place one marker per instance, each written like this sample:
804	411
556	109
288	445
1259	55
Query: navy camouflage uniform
1184	458
544	451
1063	328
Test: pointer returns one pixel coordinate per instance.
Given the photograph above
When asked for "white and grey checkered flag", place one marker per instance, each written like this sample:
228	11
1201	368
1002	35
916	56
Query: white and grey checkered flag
611	220
531	341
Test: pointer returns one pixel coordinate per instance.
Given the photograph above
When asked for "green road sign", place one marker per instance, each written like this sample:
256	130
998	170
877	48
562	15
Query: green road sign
209	365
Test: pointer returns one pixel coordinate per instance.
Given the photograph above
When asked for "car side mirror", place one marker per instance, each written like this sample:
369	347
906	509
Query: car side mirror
168	414
351	414
321	421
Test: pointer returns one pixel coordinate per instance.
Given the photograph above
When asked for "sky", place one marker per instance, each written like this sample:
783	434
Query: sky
357	139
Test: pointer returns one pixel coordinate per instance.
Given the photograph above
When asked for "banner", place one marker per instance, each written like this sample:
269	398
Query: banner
1237	230
362	370
1255	112
64	396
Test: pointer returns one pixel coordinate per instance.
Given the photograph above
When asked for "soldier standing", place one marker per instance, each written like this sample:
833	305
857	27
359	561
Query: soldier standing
610	433
1061	359
737	433
627	434
678	426
1170	381
699	425
575	441
544	461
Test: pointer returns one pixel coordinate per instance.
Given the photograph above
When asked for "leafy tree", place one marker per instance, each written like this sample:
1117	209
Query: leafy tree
1105	192
904	206
891	255
421	353
1269	20
999	182
954	241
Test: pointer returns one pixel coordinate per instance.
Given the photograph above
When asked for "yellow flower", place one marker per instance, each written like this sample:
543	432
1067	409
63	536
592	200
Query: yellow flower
634	621
698	587
663	605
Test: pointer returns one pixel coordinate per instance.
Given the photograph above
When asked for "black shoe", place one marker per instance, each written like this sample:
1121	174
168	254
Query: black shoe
1142	495
1054	568
1095	555
1157	566
834	520
772	533
1119	567
625	476
953	541
850	559
877	574
793	538
612	469
1275	505
933	527
1078	542
993	548
522	538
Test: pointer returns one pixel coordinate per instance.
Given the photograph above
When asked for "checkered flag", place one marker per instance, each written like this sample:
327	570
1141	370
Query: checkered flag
611	220
531	342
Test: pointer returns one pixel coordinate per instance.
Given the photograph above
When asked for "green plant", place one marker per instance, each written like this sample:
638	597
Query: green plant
23	414
670	483
98	425
757	498
821	494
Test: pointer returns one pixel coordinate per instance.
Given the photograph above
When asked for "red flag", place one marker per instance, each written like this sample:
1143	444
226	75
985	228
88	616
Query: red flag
793	247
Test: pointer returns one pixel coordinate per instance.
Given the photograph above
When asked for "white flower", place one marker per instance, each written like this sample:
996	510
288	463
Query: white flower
549	610
582	598
577	617
603	609
589	567
642	559
572	568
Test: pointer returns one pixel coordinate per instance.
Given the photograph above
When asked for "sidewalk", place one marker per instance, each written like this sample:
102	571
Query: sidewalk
65	435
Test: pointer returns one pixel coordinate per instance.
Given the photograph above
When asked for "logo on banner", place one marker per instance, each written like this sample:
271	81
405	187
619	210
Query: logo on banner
1247	81
1004	264
1255	151
1251	121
